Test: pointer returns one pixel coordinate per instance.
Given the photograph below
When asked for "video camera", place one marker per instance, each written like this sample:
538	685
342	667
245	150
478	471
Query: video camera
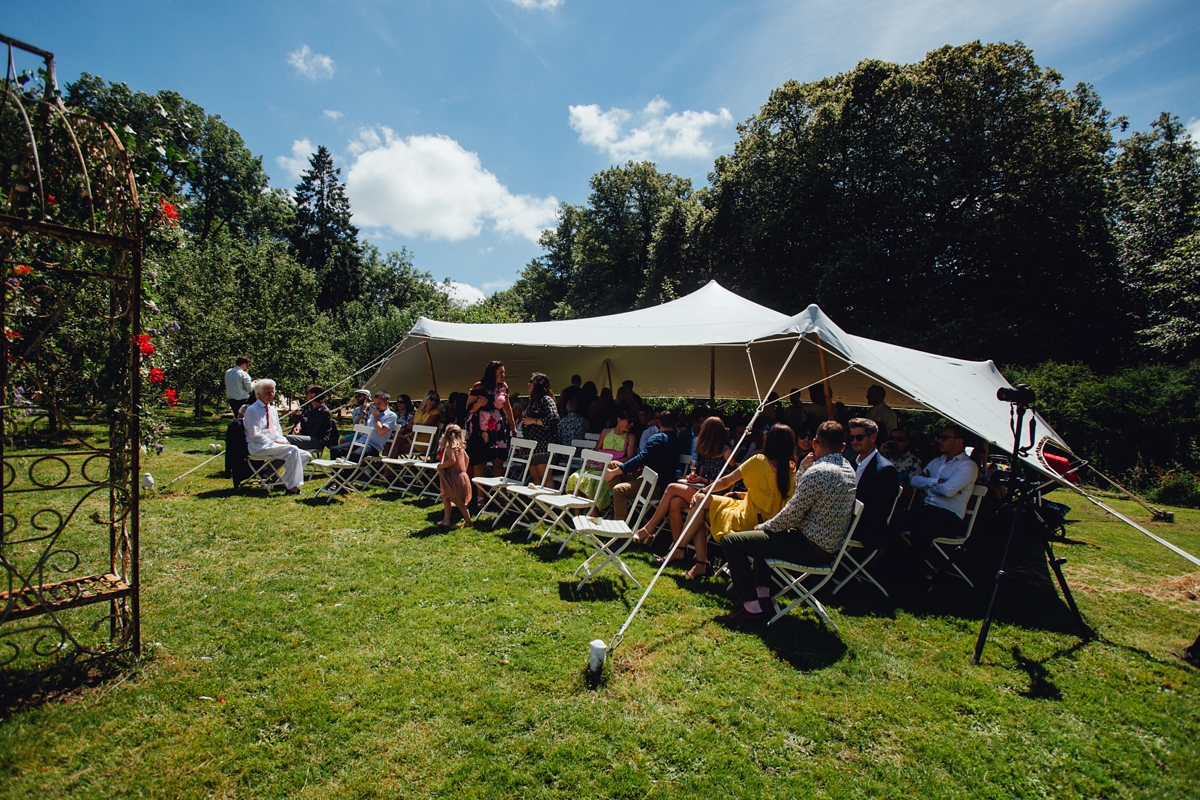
1021	395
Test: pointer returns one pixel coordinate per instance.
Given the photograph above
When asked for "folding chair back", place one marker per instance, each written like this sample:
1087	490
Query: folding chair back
608	538
956	543
858	569
516	472
521	497
592	437
581	445
343	472
582	498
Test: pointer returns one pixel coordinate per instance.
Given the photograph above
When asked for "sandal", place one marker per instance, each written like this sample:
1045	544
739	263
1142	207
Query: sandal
642	536
692	574
658	561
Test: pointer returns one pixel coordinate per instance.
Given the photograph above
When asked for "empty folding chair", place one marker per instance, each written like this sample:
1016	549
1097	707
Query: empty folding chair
858	569
685	464
343	472
421	448
792	577
516	471
608	538
520	497
374	470
583	498
592	437
580	445
956	543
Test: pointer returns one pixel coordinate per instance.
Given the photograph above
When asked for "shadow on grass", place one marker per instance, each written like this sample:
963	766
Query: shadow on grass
60	681
602	589
218	494
803	641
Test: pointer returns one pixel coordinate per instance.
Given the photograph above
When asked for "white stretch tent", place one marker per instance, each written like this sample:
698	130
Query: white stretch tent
711	341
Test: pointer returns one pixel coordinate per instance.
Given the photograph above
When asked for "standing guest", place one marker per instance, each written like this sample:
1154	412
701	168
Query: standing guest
238	386
947	481
489	421
637	399
573	426
597	419
456	410
540	423
896	449
609	403
796	418
381	421
453	480
713	447
315	430
876	481
625	399
660	455
264	437
815	411
769	479
572	392
881	412
648	422
810	529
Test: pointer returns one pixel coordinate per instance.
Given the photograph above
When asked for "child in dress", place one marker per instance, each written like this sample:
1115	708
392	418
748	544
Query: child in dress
453	477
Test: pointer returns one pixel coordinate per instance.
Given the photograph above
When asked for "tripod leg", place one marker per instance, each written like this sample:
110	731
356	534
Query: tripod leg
1056	565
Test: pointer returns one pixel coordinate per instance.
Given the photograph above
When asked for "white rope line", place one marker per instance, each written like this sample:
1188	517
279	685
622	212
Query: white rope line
1176	550
697	509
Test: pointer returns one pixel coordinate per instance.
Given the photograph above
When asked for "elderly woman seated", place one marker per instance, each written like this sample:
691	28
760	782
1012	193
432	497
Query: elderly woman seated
713	452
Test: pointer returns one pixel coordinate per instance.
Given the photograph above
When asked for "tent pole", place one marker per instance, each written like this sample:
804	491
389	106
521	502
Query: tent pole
712	377
429	358
608	369
825	379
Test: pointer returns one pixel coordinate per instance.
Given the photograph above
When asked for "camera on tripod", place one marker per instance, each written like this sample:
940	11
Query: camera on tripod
1021	395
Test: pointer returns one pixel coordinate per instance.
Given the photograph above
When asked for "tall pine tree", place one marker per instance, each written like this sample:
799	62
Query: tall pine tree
324	239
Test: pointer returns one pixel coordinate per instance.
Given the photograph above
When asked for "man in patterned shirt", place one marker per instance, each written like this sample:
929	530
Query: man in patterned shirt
809	530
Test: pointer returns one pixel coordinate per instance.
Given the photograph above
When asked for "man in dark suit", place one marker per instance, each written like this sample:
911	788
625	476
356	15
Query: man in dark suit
877	483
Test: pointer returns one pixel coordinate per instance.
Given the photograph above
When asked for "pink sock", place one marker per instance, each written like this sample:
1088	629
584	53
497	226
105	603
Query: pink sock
753	607
763	591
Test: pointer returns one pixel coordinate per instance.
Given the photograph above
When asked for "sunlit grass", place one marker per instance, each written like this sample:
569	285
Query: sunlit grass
355	650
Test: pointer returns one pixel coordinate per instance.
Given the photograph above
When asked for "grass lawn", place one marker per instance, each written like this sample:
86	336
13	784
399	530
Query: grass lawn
356	650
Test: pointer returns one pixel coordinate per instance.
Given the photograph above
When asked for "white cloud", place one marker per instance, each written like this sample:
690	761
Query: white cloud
463	294
1193	129
298	161
430	186
332	114
311	65
656	134
540	4
498	285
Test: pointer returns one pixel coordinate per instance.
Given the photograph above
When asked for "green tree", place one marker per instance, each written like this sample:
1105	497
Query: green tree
1173	296
957	204
323	238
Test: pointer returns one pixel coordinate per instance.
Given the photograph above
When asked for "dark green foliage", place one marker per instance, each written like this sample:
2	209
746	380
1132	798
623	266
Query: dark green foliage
1138	422
324	239
1177	488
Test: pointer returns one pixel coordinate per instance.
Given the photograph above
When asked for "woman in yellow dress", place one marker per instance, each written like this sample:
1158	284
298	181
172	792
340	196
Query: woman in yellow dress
769	477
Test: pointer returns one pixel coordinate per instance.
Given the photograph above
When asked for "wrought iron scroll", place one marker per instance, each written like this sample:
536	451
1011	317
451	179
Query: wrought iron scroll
70	246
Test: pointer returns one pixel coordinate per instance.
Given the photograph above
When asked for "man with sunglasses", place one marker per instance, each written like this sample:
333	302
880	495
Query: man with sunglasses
896	449
876	482
947	482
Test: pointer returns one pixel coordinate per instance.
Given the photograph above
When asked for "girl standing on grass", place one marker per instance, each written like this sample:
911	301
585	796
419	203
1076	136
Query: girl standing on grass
453	478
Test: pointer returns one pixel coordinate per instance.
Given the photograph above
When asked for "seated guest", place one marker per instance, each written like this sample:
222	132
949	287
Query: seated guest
359	410
769	479
896	450
876	480
712	445
947	482
572	426
264	437
810	529
429	413
648	424
597	419
570	393
456	409
660	455
539	422
315	430
803	444
883	414
381	420
619	441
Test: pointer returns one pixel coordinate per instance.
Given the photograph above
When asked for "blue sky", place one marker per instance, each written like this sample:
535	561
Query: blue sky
460	124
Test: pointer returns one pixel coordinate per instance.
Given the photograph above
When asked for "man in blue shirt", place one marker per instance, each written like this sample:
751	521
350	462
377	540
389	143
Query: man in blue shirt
660	454
381	419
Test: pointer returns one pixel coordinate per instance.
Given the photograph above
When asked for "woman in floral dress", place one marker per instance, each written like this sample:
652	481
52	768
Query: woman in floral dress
489	421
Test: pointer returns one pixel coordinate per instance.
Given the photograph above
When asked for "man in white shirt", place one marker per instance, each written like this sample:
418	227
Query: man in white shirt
382	421
238	384
649	420
264	437
947	481
883	414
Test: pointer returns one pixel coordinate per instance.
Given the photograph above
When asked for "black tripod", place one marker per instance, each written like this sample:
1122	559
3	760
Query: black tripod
1020	492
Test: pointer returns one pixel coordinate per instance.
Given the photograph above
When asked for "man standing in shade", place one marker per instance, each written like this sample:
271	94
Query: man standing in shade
265	438
238	386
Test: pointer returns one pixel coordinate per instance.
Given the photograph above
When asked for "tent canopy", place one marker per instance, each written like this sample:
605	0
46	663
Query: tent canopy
709	342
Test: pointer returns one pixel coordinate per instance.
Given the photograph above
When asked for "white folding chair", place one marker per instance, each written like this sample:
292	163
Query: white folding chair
516	471
581	445
858	569
602	534
520	498
265	472
373	470
420	449
342	472
555	507
791	577
955	543
592	437
685	464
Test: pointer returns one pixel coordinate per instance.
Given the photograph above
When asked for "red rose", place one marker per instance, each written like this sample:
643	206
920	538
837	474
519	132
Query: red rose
169	211
144	345
171	396
22	269
157	375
